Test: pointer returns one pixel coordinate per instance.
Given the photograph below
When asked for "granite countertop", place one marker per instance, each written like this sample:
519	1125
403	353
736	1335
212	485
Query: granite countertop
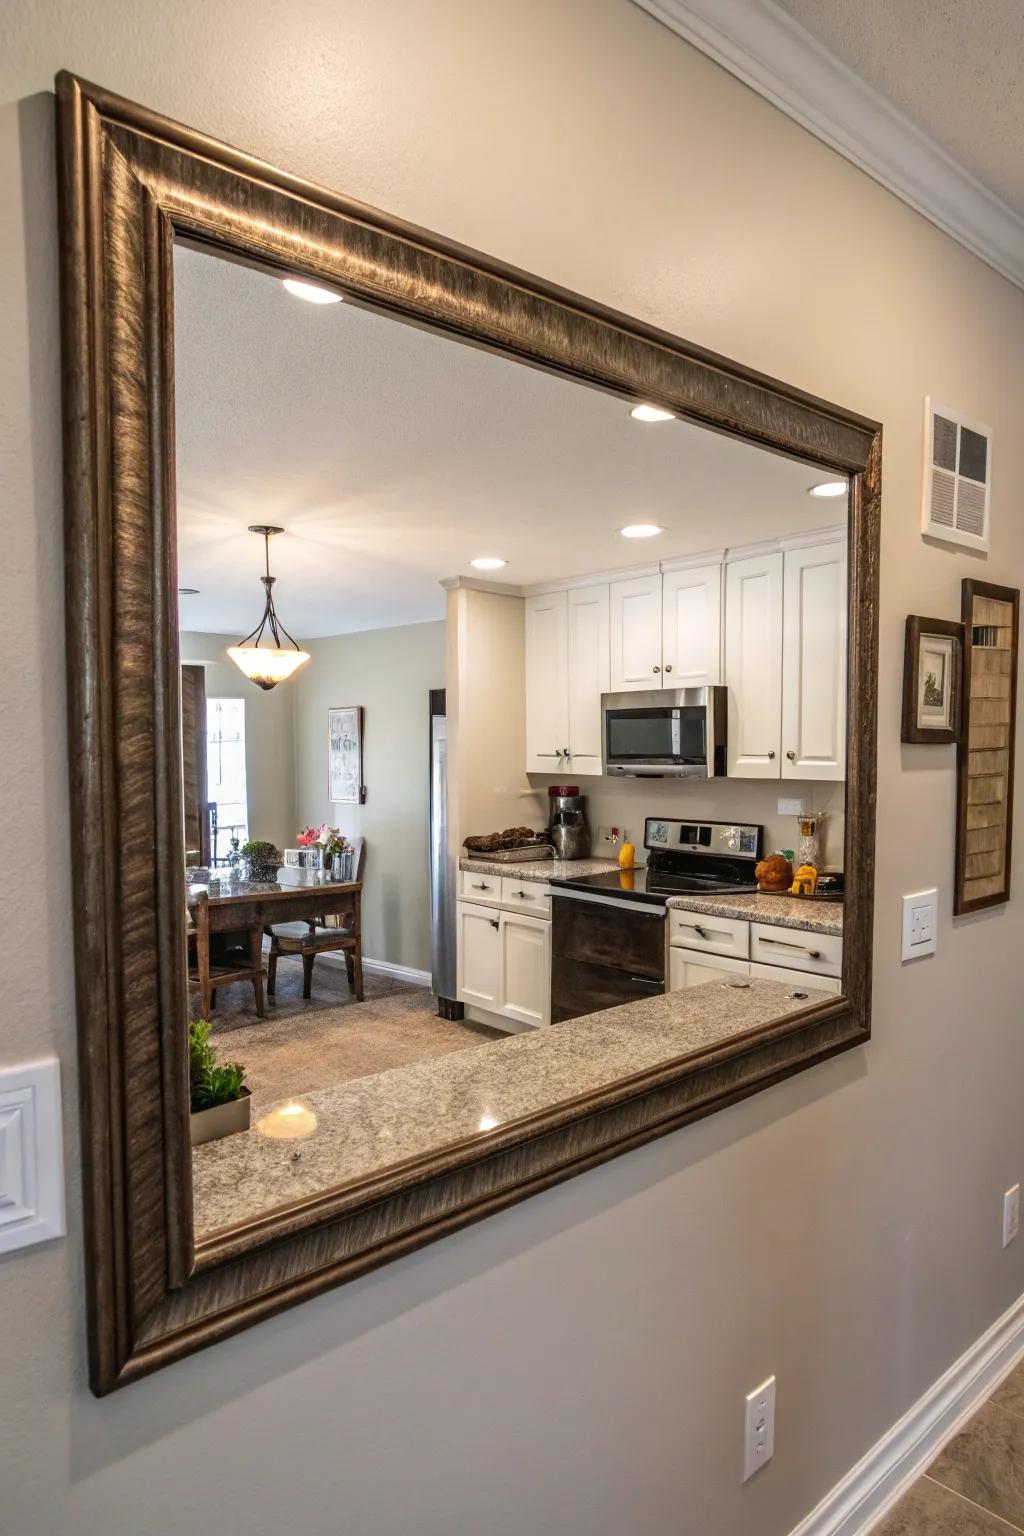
783	911
364	1126
540	869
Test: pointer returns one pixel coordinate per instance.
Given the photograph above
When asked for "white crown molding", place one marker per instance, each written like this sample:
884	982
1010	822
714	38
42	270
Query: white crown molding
766	49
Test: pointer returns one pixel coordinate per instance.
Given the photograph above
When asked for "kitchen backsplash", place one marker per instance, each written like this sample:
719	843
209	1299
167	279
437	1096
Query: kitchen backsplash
625	803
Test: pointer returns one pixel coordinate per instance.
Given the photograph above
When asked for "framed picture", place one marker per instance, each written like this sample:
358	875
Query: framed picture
984	805
932	681
345	755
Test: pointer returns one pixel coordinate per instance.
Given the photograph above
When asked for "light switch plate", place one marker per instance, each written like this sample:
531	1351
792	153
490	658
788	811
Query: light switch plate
920	921
31	1155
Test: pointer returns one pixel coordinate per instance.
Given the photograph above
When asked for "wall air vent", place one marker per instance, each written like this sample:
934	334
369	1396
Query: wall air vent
957	477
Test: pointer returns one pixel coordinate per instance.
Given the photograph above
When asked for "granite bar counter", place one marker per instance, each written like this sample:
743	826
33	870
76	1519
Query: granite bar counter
339	1135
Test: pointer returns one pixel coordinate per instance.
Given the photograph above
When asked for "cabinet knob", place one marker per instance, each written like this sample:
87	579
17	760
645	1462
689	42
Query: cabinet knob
494	922
656	669
566	752
772	752
791	756
668	667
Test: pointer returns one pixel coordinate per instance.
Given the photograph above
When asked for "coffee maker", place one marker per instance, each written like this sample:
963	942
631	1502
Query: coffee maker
567	822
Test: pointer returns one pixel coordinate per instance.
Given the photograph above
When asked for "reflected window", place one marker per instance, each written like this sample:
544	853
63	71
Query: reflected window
225	776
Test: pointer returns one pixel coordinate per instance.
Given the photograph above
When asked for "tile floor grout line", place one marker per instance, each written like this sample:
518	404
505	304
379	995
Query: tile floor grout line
972	1502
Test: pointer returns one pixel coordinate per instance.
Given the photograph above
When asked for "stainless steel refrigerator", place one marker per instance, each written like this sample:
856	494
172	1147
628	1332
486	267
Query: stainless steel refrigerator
442	873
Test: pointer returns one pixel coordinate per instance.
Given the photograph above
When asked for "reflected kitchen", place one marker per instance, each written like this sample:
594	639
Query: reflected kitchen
548	787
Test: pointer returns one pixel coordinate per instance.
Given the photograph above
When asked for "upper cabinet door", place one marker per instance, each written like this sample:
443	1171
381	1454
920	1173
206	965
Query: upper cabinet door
692	627
814	663
753	665
635	623
547	682
588	674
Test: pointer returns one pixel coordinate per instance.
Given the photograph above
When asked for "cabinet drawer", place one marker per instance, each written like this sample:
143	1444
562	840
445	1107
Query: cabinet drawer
798	979
714	935
530	896
475	886
694	968
820	953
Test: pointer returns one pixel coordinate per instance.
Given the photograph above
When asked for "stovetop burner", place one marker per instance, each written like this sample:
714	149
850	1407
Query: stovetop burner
684	858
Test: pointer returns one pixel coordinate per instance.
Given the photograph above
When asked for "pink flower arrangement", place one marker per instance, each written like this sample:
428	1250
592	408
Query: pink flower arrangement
328	839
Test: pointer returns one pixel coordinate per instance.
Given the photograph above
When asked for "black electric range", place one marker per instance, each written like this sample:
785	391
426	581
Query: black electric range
608	930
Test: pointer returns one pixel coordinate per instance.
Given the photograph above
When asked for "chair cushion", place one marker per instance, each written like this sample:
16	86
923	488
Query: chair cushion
300	934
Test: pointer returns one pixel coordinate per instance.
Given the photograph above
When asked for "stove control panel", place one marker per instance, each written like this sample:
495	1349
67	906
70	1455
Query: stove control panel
718	839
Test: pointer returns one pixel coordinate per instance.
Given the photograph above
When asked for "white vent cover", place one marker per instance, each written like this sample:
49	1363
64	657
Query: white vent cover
957	476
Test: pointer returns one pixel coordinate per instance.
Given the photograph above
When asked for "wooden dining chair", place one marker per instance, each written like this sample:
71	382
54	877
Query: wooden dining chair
312	938
208	973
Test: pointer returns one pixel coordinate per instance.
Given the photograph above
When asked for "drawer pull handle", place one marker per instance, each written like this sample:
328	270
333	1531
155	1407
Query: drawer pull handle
481	885
696	928
494	922
815	954
523	895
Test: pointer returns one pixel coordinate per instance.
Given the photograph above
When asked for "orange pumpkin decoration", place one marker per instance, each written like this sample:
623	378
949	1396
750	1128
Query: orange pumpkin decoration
775	873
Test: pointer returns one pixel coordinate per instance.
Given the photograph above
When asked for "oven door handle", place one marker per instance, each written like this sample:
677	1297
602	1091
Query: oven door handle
623	903
645	981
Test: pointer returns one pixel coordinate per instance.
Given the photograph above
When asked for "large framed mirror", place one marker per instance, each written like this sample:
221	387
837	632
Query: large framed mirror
451	659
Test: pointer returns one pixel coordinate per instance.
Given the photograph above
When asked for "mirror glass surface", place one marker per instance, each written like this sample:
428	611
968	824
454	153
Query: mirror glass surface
652	596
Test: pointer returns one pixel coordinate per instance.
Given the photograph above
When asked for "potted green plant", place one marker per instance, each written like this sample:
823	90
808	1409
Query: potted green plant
262	858
220	1101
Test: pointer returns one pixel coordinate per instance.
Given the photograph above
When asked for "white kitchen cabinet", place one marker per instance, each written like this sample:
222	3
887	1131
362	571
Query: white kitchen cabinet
692	968
547	682
503	967
814	663
691	619
796	948
798	979
524	972
588	674
753	665
635	633
479	955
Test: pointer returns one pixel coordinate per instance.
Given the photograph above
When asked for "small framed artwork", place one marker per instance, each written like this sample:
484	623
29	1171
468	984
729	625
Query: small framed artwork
932	681
345	755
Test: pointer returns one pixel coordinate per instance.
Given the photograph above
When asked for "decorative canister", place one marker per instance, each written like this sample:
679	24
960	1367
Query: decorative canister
809	847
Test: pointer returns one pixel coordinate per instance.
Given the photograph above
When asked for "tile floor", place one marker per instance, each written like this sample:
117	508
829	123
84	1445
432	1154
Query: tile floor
975	1486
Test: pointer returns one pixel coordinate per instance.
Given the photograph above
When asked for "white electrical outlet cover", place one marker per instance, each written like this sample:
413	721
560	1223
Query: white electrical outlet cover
759	1428
919	923
31	1155
1011	1215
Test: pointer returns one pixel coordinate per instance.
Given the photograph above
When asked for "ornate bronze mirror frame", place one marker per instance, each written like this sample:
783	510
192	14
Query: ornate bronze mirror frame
131	181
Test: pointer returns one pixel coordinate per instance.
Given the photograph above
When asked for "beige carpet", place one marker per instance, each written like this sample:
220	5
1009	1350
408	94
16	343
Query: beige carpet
301	1046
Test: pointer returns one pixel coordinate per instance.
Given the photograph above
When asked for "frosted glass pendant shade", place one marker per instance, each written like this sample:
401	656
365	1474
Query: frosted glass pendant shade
265	665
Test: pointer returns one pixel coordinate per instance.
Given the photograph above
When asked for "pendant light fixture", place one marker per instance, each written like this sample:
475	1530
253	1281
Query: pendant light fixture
263	662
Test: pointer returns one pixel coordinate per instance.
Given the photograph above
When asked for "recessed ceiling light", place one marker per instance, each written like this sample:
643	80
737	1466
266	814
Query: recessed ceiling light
828	488
651	413
311	292
188	591
641	530
488	563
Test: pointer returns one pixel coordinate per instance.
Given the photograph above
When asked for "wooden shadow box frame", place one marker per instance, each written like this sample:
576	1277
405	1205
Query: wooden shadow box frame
985	761
130	183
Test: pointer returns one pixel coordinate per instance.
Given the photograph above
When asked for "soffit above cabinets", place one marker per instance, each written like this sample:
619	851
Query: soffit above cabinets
905	112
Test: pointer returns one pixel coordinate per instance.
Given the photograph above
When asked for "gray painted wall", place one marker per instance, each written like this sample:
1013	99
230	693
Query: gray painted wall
390	672
576	1364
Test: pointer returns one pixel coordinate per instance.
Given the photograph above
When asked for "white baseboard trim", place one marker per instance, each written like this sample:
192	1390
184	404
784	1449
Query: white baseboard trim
402	972
860	1499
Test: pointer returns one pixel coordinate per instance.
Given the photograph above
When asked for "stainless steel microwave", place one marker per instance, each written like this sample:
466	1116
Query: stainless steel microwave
665	733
